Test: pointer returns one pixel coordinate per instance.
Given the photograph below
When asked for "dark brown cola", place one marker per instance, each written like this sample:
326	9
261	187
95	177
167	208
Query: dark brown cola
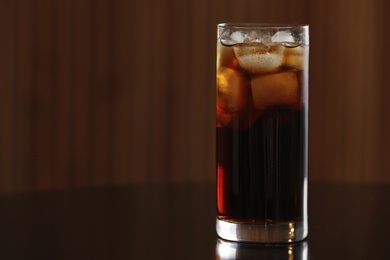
261	132
260	170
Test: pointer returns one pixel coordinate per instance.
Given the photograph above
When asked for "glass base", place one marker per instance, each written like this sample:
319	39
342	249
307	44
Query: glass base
285	232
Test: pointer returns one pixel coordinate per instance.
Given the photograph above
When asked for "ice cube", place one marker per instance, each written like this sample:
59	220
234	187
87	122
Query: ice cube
229	37
224	118
282	36
232	90
241	120
295	57
225	38
259	58
237	37
253	36
275	89
226	57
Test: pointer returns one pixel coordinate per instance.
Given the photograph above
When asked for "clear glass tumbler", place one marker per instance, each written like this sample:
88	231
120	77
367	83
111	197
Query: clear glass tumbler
262	132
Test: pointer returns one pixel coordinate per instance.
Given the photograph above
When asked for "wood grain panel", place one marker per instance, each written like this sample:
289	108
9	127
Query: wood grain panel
371	94
82	124
43	81
7	96
115	92
326	92
179	92
123	75
344	91
317	77
63	93
159	90
103	89
384	93
23	178
198	85
140	87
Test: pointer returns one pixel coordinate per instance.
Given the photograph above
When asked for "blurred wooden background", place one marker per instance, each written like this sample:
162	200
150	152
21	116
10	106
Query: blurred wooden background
100	92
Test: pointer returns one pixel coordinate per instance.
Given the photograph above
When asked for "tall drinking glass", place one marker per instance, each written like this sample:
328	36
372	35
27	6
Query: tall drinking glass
262	132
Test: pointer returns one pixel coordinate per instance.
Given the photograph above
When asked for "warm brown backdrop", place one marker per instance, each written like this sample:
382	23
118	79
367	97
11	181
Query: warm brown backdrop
116	92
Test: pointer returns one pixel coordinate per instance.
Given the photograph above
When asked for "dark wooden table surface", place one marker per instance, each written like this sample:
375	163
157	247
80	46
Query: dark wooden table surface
177	221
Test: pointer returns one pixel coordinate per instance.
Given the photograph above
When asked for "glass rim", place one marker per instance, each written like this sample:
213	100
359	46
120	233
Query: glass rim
261	26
